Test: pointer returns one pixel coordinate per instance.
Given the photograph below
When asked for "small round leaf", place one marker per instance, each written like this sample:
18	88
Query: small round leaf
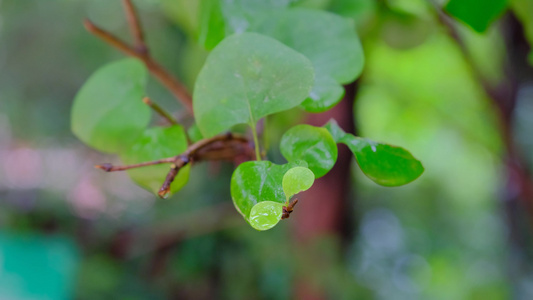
265	215
315	145
297	180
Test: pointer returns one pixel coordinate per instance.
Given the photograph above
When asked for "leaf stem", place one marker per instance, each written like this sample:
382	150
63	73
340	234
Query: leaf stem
158	109
111	168
256	141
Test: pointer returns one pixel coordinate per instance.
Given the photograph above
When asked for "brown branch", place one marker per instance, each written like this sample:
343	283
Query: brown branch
193	154
287	210
111	168
181	161
134	23
110	39
158	109
169	81
221	147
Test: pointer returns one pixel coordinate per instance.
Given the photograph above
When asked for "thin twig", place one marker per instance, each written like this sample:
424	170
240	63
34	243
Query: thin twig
180	162
110	168
221	147
170	82
135	26
158	109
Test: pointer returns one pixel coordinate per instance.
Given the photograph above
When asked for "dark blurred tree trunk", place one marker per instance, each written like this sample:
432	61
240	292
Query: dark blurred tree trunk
325	208
518	195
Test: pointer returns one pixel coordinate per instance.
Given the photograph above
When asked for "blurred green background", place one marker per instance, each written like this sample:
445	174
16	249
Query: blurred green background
71	232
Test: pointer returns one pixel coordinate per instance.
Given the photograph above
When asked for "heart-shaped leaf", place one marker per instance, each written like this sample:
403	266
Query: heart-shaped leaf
328	40
265	215
297	180
157	143
384	164
246	77
256	181
315	145
108	113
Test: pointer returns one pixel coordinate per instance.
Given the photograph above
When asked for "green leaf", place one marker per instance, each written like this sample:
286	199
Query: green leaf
246	77
194	133
212	25
326	93
257	181
384	164
265	215
359	10
313	4
297	180
405	30
315	145
185	13
241	14
328	40
336	132
157	143
478	14
108	113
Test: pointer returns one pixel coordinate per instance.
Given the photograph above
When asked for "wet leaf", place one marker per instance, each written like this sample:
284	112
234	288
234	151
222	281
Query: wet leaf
315	145
384	164
265	215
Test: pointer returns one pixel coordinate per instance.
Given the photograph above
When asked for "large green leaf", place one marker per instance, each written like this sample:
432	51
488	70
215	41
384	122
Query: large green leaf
240	15
384	164
108	113
315	145
328	40
246	77
211	20
256	181
478	14
157	143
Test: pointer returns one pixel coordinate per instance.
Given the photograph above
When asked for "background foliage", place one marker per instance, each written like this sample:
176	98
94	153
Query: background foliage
447	235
